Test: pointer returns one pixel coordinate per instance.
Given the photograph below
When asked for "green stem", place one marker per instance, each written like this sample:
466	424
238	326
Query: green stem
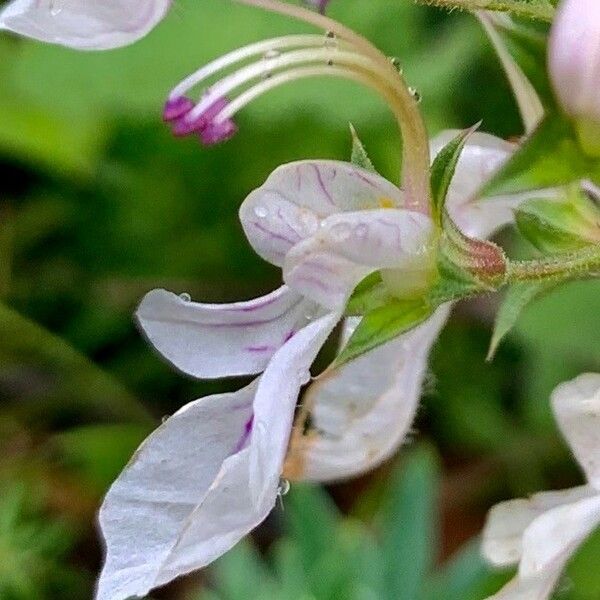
575	265
534	9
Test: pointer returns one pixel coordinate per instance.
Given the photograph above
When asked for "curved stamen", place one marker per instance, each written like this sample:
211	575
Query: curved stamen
415	171
263	47
268	67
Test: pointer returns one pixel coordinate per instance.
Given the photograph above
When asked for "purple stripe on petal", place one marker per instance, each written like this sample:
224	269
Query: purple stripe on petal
245	435
259	348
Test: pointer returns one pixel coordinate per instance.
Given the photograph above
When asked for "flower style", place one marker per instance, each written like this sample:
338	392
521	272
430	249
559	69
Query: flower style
542	532
83	24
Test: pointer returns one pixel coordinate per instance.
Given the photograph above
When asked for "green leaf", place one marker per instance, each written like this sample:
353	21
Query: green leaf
359	156
550	157
312	518
382	325
443	168
554	226
516	299
542	10
408	523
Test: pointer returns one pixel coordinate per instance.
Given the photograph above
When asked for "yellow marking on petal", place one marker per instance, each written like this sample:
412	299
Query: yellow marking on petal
385	202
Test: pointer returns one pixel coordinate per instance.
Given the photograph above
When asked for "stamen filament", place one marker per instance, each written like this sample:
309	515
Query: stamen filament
269	66
415	163
262	47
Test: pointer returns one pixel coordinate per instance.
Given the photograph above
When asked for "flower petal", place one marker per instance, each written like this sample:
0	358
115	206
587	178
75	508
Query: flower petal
294	199
548	543
348	246
363	410
506	523
219	340
576	406
275	402
151	503
83	24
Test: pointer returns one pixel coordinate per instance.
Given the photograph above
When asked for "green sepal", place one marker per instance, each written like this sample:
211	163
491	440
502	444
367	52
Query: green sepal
369	294
555	226
551	157
442	171
382	325
517	297
359	156
470	260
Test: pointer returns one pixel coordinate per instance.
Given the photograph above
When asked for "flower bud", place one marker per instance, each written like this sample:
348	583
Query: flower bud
574	63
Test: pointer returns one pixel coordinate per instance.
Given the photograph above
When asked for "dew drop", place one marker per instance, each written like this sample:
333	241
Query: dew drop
330	39
270	54
284	487
164	419
261	212
56	7
396	64
415	94
341	231
185	297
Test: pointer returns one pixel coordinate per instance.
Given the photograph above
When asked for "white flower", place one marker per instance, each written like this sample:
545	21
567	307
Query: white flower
210	473
574	58
542	532
83	24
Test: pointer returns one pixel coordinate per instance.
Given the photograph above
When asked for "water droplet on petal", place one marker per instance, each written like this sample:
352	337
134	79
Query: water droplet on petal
341	231
185	297
284	487
56	7
261	212
304	377
164	419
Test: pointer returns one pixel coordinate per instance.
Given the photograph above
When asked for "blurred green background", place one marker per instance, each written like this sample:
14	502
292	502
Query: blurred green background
99	204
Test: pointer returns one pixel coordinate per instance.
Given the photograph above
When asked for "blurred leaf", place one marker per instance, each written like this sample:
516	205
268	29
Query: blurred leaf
312	518
550	157
79	383
465	577
97	453
581	580
408	522
517	297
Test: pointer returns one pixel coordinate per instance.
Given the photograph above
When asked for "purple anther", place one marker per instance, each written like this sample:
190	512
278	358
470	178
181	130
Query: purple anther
186	125
175	108
215	133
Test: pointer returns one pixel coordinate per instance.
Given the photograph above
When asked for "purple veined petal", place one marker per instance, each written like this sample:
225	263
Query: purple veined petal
576	407
83	24
547	544
294	199
362	411
275	403
481	158
502	543
220	340
205	478
152	503
327	266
